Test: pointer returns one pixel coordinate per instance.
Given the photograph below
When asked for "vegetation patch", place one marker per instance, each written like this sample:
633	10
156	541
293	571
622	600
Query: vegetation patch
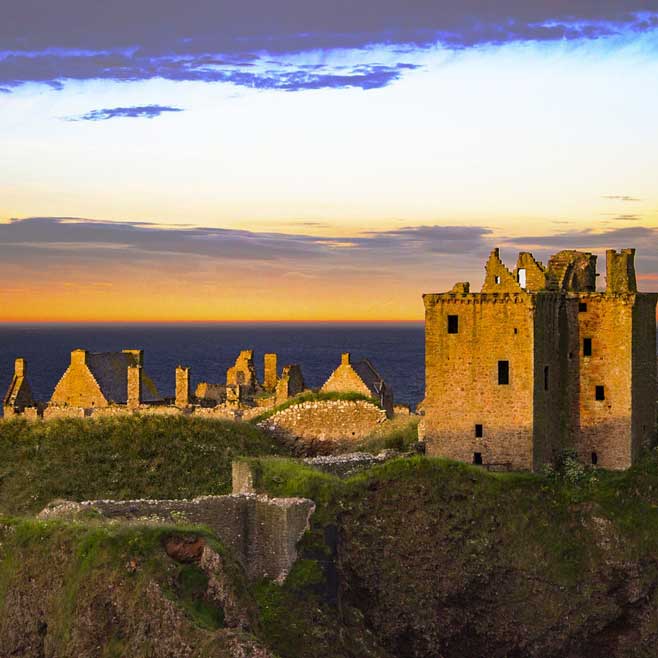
121	458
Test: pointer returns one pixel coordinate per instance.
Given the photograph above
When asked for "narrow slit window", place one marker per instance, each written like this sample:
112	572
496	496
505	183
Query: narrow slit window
587	347
477	458
546	375
599	393
582	307
503	372
479	433
595	459
453	324
522	277
497	280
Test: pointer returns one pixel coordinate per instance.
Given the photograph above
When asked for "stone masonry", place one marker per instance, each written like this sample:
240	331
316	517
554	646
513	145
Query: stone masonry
262	532
539	361
326	421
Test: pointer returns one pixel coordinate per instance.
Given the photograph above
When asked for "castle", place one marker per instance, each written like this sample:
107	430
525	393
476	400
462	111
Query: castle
539	361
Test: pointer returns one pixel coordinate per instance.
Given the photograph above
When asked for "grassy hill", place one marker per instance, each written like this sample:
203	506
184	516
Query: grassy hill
123	457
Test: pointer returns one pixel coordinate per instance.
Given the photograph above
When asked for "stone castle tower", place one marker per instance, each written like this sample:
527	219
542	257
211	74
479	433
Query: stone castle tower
539	361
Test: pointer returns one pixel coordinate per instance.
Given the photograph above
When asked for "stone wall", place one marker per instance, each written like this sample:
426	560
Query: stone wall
644	379
461	387
327	420
263	532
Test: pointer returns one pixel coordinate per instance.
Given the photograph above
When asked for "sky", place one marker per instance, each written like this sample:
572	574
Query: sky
305	160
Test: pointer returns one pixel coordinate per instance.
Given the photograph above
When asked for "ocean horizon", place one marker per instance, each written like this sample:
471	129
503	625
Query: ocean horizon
395	348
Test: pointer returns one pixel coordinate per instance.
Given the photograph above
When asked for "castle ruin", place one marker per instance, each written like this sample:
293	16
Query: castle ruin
115	383
539	361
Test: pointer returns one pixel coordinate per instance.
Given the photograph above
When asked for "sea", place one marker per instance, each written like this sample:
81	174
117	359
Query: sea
396	350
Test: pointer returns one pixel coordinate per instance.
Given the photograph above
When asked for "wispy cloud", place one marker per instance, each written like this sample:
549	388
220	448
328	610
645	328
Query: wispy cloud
136	112
626	218
621	197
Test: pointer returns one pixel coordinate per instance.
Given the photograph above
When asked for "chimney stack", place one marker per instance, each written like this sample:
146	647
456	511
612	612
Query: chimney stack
270	368
620	271
182	386
20	368
134	395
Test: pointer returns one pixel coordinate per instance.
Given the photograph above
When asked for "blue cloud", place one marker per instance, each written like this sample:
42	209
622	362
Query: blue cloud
137	112
235	42
279	74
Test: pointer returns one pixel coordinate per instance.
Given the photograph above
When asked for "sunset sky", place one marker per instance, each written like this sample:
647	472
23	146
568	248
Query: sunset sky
313	160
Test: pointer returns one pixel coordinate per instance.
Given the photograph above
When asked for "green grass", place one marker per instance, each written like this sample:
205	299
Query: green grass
120	458
310	396
400	433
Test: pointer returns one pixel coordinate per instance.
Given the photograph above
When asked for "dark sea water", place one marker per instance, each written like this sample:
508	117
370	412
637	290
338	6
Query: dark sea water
397	350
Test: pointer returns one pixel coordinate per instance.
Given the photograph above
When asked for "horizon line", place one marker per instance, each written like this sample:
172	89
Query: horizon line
177	322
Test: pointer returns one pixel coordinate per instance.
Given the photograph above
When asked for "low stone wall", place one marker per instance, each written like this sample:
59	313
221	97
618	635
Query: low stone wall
54	412
344	466
326	420
263	532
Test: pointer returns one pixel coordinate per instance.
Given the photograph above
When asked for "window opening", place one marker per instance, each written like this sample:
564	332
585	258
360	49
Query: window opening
477	458
503	372
546	378
587	347
582	307
595	459
497	280
600	393
522	277
453	324
478	432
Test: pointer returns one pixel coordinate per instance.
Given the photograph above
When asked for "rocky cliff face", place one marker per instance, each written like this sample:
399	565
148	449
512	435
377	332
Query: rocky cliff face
70	590
456	572
441	560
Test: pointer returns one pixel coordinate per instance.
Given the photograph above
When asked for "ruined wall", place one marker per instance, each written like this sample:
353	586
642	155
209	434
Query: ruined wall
210	392
77	387
55	412
344	379
263	532
327	420
497	278
19	395
462	389
290	384
243	373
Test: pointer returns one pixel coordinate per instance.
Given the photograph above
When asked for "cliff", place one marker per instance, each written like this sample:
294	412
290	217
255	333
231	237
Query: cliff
415	558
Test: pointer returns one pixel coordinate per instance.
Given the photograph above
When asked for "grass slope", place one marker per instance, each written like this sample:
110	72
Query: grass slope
121	458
